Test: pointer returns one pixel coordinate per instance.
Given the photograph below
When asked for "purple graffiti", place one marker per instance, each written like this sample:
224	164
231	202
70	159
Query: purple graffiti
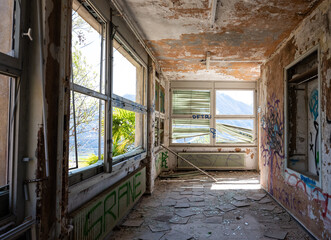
272	147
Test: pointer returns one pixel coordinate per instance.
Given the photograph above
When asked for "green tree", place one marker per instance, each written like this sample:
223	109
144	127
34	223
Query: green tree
123	131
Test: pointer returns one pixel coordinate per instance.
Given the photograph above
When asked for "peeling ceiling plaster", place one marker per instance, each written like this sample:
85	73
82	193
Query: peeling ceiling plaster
179	32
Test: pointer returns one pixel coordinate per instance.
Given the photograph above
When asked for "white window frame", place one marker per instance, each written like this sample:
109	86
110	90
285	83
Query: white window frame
112	100
288	170
100	165
213	86
159	115
126	104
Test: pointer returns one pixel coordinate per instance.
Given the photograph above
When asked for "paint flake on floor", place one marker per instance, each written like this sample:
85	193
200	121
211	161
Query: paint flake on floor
209	216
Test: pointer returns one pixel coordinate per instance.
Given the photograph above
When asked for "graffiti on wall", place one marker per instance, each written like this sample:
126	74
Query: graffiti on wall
96	219
161	161
164	158
313	141
213	131
308	186
272	144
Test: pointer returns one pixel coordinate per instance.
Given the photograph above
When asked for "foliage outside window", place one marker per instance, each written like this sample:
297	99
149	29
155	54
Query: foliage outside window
128	104
88	98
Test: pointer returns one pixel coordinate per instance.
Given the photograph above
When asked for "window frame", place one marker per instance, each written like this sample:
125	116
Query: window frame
126	104
106	166
214	86
100	165
288	170
12	66
159	115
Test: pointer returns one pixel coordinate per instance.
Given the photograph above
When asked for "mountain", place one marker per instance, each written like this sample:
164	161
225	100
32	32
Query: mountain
226	105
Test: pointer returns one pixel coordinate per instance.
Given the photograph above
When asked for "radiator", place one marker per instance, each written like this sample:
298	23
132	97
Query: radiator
213	160
97	218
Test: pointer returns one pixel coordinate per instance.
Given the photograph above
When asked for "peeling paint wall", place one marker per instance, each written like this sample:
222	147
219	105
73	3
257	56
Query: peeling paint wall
180	33
301	195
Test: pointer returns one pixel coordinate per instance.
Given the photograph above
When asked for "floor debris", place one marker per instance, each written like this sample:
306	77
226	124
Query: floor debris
211	215
276	234
133	223
158	226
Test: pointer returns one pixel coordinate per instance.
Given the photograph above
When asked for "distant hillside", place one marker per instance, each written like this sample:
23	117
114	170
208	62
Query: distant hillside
227	105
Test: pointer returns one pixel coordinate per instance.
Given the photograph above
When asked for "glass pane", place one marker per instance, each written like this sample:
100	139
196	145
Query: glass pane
157	96
127	131
161	131
87	64
162	96
235	102
5	96
190	131
4	127
127	75
234	131
156	132
89	130
190	102
7	27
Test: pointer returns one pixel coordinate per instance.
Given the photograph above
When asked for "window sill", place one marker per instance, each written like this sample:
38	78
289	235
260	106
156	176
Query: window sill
83	191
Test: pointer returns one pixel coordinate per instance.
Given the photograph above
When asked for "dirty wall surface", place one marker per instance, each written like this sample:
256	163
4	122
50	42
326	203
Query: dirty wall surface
307	199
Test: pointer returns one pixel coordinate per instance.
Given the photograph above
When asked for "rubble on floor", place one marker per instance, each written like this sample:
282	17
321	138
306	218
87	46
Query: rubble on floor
190	206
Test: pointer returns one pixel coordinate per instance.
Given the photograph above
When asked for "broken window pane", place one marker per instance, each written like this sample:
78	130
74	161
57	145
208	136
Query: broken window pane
190	131
234	102
88	46
89	130
190	102
7	26
234	130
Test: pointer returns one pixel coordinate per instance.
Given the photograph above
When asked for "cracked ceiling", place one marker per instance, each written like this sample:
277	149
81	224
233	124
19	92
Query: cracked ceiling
243	34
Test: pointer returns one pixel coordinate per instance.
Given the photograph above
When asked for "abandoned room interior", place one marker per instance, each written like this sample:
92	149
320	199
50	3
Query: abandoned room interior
165	119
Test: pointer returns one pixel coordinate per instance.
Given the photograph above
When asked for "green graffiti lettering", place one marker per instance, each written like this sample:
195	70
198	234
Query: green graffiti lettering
120	195
131	191
88	218
110	209
164	159
136	185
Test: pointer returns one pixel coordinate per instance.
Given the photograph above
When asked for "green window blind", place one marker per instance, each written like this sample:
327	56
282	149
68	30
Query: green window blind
190	102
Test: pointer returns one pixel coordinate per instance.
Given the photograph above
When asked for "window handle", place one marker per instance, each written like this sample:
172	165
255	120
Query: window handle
28	34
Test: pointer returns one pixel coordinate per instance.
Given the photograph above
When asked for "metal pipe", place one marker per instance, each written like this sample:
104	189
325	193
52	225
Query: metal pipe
42	72
210	176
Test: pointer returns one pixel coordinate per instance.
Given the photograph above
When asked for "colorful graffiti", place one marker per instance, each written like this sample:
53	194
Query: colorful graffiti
272	146
313	108
308	186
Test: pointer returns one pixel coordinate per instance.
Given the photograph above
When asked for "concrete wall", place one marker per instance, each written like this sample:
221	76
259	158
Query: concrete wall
305	198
